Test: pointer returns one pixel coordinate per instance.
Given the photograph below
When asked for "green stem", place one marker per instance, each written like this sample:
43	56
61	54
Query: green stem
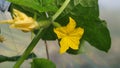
56	24
60	10
29	49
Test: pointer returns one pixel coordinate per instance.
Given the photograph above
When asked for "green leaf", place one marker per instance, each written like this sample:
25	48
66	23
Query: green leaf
96	32
38	5
97	35
86	3
42	63
23	9
49	34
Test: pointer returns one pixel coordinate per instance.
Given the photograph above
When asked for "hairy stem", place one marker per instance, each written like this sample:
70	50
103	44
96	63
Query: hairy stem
29	49
60	10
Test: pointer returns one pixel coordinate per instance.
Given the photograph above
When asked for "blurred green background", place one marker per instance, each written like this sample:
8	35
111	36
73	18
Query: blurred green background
16	41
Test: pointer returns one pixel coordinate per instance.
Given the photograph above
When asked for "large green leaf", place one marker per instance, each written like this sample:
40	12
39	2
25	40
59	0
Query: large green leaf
42	63
86	3
96	33
49	34
23	9
38	5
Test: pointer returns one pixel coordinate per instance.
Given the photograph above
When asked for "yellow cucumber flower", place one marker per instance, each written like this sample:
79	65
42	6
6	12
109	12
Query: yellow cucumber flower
21	21
69	36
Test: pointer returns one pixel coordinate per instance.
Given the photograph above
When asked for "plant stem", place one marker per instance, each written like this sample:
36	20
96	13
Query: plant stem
60	10
29	49
47	15
47	52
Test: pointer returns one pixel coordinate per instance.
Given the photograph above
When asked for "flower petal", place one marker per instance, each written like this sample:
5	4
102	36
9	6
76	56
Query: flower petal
6	21
67	42
69	35
18	14
21	27
74	43
60	32
78	32
64	45
71	25
22	21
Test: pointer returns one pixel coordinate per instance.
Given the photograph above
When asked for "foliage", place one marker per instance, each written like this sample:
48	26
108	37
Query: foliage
84	12
38	5
42	63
